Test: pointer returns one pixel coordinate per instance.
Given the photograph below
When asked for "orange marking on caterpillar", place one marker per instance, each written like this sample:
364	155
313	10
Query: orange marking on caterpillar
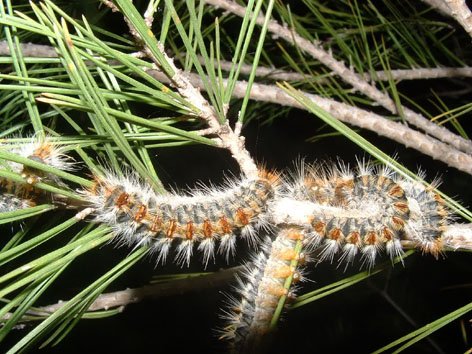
141	213
286	255
396	191
402	207
276	290
370	238
156	224
43	151
438	198
320	227
388	234
123	200
282	271
435	248
242	216
272	176
190	230
398	223
207	230
335	234
380	181
225	225
172	226
353	237
294	234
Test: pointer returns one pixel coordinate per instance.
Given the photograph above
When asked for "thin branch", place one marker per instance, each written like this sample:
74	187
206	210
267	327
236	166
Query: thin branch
381	75
30	50
354	79
440	6
461	13
421	74
345	113
45	51
149	292
355	116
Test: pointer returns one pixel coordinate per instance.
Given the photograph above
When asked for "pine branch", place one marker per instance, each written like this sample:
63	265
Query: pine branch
104	80
356	116
461	13
456	9
126	297
354	79
45	51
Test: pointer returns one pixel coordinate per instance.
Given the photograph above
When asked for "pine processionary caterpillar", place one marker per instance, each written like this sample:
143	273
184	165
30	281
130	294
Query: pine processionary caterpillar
43	150
429	216
369	211
140	217
16	195
261	290
364	212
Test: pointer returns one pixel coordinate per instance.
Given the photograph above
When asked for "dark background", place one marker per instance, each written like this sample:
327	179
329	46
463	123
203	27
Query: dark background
361	318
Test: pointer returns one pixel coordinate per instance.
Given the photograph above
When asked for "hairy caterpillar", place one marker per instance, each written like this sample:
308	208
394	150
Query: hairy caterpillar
43	150
16	195
352	213
369	210
249	317
205	217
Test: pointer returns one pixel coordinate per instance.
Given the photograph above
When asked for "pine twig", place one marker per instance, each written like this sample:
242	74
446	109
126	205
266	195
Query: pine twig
354	116
227	138
45	51
125	297
461	13
354	79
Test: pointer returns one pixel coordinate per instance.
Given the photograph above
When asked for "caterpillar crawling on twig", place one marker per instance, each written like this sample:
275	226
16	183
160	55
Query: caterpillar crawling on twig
346	212
313	213
204	217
